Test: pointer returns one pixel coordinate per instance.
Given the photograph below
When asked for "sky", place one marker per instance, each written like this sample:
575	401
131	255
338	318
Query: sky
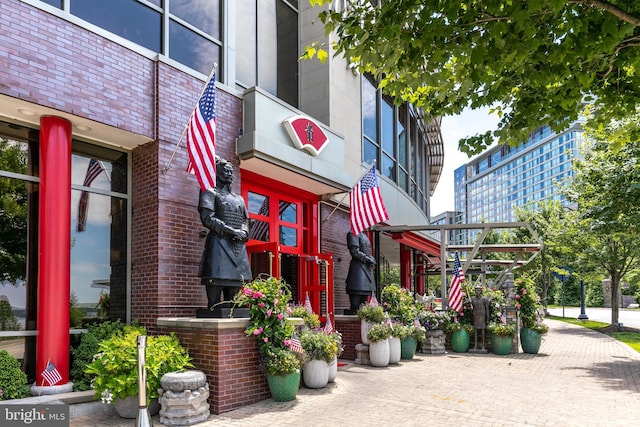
453	128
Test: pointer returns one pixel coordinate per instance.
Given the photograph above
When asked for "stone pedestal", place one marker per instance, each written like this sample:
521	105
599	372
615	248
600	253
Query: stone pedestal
433	342
184	398
362	354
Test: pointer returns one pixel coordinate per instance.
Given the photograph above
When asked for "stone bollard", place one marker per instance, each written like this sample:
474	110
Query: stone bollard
183	398
362	354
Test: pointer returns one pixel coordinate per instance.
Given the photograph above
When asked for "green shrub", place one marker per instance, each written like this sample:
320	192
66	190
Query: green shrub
311	320
82	355
13	382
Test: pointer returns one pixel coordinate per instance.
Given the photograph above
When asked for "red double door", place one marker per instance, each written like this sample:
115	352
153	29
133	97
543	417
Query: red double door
283	241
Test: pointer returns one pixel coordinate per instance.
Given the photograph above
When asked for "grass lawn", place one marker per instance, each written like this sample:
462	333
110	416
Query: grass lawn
631	337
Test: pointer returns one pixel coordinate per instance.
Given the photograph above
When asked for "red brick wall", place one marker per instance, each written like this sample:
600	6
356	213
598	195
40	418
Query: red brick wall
333	238
230	361
349	327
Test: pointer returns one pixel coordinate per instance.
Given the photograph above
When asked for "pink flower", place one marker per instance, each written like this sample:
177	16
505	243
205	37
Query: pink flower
518	306
280	316
275	301
261	304
524	292
258	331
269	313
517	296
247	292
288	310
286	343
257	294
265	339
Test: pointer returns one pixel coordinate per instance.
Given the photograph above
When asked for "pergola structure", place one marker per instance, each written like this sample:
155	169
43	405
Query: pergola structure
474	261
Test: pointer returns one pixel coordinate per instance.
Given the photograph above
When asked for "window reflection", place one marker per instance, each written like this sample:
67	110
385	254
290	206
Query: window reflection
202	14
126	18
192	49
288	236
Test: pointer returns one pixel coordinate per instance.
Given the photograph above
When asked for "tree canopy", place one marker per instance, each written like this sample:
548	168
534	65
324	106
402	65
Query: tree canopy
534	62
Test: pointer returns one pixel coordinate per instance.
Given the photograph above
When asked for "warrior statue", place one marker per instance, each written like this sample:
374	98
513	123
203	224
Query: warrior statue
224	266
360	280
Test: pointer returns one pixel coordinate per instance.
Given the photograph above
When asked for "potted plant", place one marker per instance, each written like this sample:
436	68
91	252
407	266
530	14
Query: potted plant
460	333
333	365
369	314
320	349
378	336
531	315
310	319
399	304
398	333
115	367
414	334
434	324
267	300
501	337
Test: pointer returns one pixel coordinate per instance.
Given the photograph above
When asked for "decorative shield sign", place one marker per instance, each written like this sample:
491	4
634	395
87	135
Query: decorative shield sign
306	134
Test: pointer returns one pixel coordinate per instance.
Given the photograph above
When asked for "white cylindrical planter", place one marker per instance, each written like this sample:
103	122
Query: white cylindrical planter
395	350
379	353
364	330
315	373
333	369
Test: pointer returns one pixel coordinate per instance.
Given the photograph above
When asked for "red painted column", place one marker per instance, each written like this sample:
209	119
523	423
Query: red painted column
419	275
405	266
54	245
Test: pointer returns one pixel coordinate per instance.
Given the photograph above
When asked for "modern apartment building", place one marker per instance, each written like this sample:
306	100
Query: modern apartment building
94	98
491	185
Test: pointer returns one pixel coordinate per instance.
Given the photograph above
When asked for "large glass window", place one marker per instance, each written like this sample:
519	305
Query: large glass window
267	47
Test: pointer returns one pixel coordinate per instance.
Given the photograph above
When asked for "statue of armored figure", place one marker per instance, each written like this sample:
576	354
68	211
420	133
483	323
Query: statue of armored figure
360	279
224	266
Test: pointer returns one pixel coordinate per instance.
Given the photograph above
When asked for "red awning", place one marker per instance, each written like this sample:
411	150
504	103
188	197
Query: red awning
415	241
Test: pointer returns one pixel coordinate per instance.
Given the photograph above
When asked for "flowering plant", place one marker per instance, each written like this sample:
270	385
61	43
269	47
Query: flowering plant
319	345
459	322
399	303
371	313
310	319
501	329
379	332
432	320
528	302
267	299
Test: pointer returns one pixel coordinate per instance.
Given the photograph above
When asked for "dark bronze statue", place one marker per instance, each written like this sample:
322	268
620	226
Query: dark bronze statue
360	280
480	316
224	266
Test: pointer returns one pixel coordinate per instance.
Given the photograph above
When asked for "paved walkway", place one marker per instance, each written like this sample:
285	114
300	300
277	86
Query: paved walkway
579	378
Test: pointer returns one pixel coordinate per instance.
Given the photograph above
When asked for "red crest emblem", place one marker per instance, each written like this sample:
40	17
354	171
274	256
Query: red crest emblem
306	134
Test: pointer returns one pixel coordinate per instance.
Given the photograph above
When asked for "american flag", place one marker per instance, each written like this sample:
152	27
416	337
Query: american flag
328	327
455	291
295	345
416	323
201	137
307	304
51	374
373	301
503	318
367	207
93	170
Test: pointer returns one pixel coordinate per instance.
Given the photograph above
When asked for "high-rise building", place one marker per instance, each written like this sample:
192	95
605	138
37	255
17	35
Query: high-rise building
489	187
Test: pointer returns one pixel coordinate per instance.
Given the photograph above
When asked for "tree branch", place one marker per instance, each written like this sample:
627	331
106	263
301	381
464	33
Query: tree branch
612	9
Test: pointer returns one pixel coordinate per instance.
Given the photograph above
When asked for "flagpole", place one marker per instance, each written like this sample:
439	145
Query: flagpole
166	168
345	194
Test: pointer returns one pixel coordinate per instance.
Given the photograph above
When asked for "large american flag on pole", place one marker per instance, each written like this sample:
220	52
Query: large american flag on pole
455	291
201	137
367	207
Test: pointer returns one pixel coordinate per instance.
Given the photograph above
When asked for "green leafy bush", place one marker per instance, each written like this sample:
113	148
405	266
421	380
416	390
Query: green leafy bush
501	329
371	313
399	303
319	345
115	367
310	319
378	332
13	381
82	355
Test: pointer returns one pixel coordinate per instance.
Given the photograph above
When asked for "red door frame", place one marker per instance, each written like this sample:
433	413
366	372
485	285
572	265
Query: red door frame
310	272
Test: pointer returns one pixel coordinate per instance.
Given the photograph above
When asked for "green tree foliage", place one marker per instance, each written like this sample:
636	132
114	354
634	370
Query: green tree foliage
13	381
533	62
13	215
8	320
606	188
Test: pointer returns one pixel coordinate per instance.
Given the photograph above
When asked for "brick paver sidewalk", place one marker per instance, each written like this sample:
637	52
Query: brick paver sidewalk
579	378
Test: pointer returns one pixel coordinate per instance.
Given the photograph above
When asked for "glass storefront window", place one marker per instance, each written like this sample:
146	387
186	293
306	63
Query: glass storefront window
202	14
192	49
288	236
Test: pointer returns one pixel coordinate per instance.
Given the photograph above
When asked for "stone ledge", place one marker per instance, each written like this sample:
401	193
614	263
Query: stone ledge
210	323
66	398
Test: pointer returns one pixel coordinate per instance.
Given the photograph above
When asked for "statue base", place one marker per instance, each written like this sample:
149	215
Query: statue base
222	313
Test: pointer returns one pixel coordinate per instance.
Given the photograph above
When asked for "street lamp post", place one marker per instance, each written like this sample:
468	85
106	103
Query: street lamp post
583	315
